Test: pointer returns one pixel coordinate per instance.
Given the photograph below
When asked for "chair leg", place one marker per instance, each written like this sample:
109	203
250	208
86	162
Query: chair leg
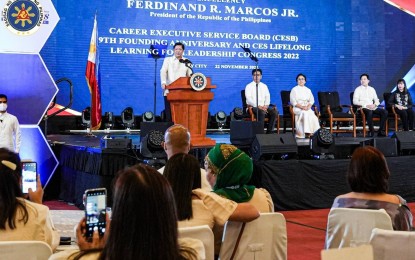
396	124
293	124
278	124
354	127
364	128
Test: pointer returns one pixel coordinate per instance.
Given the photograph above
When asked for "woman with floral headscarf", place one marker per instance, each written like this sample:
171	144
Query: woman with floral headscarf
229	170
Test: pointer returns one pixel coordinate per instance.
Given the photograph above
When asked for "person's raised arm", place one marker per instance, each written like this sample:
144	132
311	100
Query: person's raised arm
224	209
244	212
36	196
96	242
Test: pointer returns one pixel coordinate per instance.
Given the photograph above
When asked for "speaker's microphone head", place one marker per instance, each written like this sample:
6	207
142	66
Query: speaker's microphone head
186	61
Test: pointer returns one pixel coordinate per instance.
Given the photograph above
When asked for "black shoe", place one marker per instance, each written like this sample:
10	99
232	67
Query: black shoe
381	134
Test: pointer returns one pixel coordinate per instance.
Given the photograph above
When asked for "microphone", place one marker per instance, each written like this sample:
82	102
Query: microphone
186	61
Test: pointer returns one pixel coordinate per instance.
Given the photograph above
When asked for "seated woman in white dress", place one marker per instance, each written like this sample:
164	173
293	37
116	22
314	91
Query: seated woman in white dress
302	100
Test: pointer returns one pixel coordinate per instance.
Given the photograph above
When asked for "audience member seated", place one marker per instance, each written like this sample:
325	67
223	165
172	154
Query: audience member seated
143	224
402	101
22	219
368	176
302	100
183	173
177	140
228	171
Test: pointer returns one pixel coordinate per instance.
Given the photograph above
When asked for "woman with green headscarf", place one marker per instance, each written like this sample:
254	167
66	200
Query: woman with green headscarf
229	170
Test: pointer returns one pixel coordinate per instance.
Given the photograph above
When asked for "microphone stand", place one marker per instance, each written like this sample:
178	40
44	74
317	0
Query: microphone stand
257	85
188	64
155	85
190	67
255	59
155	57
156	52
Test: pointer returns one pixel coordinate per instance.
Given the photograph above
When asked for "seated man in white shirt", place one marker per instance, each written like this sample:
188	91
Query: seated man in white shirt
366	97
263	107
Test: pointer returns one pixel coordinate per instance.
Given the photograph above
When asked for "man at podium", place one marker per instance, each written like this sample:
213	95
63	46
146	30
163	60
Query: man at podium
173	68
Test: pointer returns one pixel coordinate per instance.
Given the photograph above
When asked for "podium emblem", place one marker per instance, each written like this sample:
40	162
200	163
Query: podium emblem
198	81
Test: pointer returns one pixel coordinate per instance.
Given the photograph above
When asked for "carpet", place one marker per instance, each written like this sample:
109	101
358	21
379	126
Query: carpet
306	232
306	229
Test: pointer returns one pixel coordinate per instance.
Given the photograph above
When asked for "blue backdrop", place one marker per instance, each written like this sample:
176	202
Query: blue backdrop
332	42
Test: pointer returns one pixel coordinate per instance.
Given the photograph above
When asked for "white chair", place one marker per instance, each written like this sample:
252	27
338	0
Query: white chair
389	244
348	227
363	252
263	238
33	250
202	233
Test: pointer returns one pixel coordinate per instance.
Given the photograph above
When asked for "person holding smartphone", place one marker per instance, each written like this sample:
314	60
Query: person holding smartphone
143	224
95	211
22	219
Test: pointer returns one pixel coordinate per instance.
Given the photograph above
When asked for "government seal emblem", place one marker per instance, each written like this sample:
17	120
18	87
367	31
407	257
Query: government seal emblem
23	17
198	81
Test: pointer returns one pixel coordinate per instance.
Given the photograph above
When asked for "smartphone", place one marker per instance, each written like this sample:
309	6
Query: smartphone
95	211
29	176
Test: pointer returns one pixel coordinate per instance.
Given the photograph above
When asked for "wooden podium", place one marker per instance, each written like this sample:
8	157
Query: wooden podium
190	108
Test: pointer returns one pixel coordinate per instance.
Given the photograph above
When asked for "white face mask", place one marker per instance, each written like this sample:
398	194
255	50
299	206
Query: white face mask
3	107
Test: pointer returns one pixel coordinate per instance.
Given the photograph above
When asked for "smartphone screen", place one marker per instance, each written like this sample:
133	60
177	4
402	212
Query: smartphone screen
29	174
95	206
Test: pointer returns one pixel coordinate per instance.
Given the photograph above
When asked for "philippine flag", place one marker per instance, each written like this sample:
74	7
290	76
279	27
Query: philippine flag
93	79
